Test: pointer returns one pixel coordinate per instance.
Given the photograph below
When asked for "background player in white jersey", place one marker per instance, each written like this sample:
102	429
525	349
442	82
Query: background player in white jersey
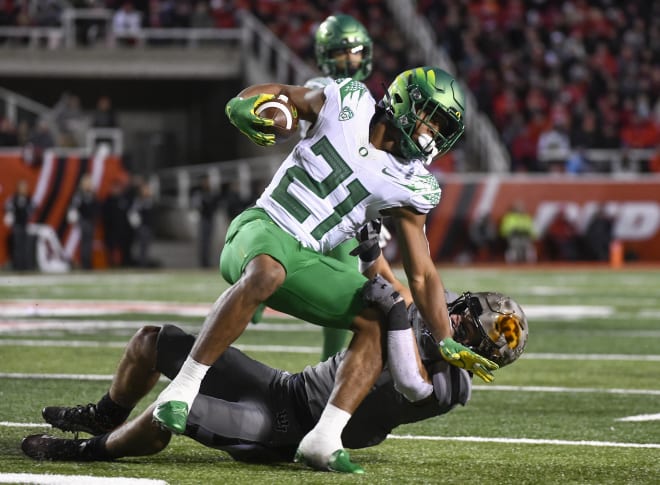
259	414
358	162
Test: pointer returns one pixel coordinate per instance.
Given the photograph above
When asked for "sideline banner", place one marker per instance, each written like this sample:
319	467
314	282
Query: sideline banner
52	185
633	203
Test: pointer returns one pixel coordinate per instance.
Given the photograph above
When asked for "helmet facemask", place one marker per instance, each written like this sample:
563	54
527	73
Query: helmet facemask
493	325
340	68
430	98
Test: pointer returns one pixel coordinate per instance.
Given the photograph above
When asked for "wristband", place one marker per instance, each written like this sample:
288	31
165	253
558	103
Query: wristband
397	318
370	254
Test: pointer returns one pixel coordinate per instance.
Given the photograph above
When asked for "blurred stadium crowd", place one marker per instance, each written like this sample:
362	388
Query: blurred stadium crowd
556	77
573	74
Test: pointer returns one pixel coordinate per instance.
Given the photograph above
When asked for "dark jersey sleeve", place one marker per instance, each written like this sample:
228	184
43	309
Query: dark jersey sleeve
384	408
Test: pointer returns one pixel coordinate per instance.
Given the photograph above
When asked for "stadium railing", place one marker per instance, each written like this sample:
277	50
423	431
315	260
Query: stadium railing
173	184
16	107
484	147
65	36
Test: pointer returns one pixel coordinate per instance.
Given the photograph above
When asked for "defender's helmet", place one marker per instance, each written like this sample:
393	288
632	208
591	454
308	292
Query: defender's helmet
493	325
426	94
342	32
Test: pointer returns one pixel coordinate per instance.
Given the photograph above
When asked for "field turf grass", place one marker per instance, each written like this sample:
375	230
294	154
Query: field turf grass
554	416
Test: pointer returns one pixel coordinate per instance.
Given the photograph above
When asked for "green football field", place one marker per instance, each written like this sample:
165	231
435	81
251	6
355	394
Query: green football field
581	406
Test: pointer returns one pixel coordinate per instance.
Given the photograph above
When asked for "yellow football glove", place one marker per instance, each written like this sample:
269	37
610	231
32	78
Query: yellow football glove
241	114
460	356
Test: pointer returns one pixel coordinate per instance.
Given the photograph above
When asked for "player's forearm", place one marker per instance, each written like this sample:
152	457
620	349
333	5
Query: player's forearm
408	373
429	295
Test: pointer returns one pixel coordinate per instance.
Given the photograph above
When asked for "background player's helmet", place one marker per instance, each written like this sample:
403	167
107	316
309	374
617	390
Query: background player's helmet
438	95
493	325
342	32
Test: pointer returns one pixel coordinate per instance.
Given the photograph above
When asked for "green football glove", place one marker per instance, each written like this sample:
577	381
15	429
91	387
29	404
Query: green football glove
460	356
241	114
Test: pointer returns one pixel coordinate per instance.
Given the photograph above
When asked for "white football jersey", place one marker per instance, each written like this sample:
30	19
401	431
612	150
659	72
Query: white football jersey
313	83
334	180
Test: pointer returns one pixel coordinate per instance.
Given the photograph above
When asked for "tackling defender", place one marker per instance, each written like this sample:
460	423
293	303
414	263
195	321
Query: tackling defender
259	414
359	161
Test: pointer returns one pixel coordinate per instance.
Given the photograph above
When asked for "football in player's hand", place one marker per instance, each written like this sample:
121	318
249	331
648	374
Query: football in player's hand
284	115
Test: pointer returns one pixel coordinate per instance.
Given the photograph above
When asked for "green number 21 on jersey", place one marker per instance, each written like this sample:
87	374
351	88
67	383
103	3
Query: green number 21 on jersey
340	172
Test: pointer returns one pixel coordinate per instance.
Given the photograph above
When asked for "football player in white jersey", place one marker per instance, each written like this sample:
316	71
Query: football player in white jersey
360	161
343	49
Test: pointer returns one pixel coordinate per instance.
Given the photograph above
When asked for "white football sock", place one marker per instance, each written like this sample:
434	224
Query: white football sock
325	438
185	385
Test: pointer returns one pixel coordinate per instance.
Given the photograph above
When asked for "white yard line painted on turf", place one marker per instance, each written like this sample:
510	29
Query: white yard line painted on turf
553	389
640	418
527	441
82	325
649	313
35	326
61	343
568	312
48	479
74	377
626	357
301	349
11	326
76	279
95	344
32	308
476	439
45	308
9	424
647	392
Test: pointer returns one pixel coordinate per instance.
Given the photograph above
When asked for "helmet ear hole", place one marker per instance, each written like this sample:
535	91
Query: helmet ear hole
415	94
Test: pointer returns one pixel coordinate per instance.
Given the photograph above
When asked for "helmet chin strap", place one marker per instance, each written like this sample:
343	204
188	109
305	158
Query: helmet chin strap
428	147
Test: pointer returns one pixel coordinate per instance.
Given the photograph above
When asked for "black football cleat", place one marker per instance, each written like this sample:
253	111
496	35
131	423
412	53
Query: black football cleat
78	418
45	447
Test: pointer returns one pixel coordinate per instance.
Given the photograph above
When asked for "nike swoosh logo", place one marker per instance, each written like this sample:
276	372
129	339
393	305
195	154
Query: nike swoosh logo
418	183
389	174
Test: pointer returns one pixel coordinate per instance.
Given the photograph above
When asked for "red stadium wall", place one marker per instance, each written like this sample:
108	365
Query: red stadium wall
52	186
634	205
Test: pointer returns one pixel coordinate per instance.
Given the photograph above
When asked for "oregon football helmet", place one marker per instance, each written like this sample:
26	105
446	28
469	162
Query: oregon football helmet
433	97
493	325
342	32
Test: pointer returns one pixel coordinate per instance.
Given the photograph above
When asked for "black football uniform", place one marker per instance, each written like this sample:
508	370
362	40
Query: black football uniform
257	413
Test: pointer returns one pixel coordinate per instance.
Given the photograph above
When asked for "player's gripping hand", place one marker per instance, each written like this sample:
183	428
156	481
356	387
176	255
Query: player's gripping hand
369	239
241	114
460	356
